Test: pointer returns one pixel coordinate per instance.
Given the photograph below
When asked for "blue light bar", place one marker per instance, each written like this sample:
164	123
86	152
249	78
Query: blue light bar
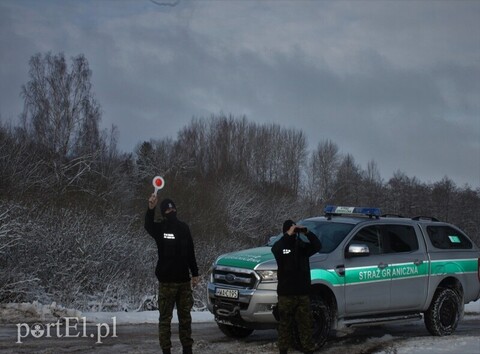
333	209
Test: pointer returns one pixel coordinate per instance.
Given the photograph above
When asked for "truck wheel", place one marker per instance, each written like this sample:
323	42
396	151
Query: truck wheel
322	323
234	331
442	316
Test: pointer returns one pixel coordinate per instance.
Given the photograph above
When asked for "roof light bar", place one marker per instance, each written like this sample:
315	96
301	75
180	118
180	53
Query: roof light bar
338	210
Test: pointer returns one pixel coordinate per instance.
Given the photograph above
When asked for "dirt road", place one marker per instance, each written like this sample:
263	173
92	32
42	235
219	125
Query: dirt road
142	338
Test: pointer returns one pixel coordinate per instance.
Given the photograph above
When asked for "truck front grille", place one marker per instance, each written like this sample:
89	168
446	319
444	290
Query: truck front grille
229	304
237	277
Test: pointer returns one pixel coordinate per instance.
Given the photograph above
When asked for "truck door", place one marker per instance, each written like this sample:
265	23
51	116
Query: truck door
408	266
367	283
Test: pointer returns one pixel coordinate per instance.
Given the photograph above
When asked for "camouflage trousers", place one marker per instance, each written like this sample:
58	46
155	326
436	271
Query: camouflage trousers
169	296
295	310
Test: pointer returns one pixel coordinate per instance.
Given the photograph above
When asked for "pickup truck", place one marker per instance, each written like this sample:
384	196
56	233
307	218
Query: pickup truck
372	269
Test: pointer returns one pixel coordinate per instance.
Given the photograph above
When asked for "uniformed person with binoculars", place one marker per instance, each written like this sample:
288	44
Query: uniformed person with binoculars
292	255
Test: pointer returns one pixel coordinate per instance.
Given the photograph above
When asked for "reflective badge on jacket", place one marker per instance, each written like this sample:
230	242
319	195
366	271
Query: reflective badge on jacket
285	251
169	236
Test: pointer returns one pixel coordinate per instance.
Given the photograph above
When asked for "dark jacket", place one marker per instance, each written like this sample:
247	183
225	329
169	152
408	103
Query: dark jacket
176	253
292	256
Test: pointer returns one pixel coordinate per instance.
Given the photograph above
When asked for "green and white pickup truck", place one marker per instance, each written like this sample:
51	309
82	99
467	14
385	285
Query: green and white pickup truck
371	270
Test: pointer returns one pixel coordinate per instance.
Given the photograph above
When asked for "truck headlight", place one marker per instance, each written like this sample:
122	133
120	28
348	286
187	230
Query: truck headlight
268	275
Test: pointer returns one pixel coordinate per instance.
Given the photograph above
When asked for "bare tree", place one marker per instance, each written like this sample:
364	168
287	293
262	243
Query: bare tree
403	196
60	121
372	185
243	209
60	112
16	282
322	173
443	193
348	181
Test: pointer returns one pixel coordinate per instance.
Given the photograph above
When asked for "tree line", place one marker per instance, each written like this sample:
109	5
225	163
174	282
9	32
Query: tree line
72	205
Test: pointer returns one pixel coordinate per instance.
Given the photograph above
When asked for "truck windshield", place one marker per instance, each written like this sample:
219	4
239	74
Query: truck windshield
329	233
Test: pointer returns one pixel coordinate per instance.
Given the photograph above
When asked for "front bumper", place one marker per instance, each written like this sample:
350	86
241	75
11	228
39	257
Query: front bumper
252	309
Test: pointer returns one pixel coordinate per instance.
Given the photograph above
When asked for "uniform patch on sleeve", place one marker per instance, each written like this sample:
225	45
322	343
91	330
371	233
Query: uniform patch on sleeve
169	236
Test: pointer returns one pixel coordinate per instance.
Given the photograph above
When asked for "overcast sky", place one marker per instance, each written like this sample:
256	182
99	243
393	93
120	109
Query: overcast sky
397	82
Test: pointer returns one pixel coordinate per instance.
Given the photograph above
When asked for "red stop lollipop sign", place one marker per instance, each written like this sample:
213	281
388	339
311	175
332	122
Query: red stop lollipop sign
158	183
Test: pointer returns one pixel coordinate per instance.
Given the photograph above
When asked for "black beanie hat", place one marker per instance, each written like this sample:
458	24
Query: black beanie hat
287	224
166	204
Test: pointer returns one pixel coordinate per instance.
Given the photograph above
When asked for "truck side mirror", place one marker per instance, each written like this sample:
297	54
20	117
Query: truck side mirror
357	250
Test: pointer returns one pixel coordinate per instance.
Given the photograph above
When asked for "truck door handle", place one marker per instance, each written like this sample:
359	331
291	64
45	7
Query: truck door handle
417	262
382	265
340	269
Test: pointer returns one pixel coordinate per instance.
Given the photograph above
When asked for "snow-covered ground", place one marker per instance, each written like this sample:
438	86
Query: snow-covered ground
35	312
204	316
31	312
429	345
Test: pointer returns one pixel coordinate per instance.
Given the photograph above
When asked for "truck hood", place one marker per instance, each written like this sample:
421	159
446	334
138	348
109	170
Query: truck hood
252	258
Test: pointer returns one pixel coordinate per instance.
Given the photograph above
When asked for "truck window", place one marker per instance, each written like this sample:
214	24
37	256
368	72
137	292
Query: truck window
446	237
387	238
330	234
398	238
369	236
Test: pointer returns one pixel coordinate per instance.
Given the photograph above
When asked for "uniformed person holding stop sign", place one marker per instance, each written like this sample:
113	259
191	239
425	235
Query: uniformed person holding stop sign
176	271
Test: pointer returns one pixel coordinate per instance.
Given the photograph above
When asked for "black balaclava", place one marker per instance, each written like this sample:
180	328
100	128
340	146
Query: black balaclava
167	204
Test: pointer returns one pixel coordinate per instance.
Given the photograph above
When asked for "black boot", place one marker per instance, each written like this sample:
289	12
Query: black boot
187	350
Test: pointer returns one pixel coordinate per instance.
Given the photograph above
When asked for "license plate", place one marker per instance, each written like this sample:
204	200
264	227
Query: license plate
230	293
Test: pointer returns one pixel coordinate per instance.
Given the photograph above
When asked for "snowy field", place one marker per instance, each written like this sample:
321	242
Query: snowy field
458	344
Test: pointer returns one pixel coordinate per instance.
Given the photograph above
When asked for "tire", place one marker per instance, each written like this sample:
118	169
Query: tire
441	318
322	323
234	331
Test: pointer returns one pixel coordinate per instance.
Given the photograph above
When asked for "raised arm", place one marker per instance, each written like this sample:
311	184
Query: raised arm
150	215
